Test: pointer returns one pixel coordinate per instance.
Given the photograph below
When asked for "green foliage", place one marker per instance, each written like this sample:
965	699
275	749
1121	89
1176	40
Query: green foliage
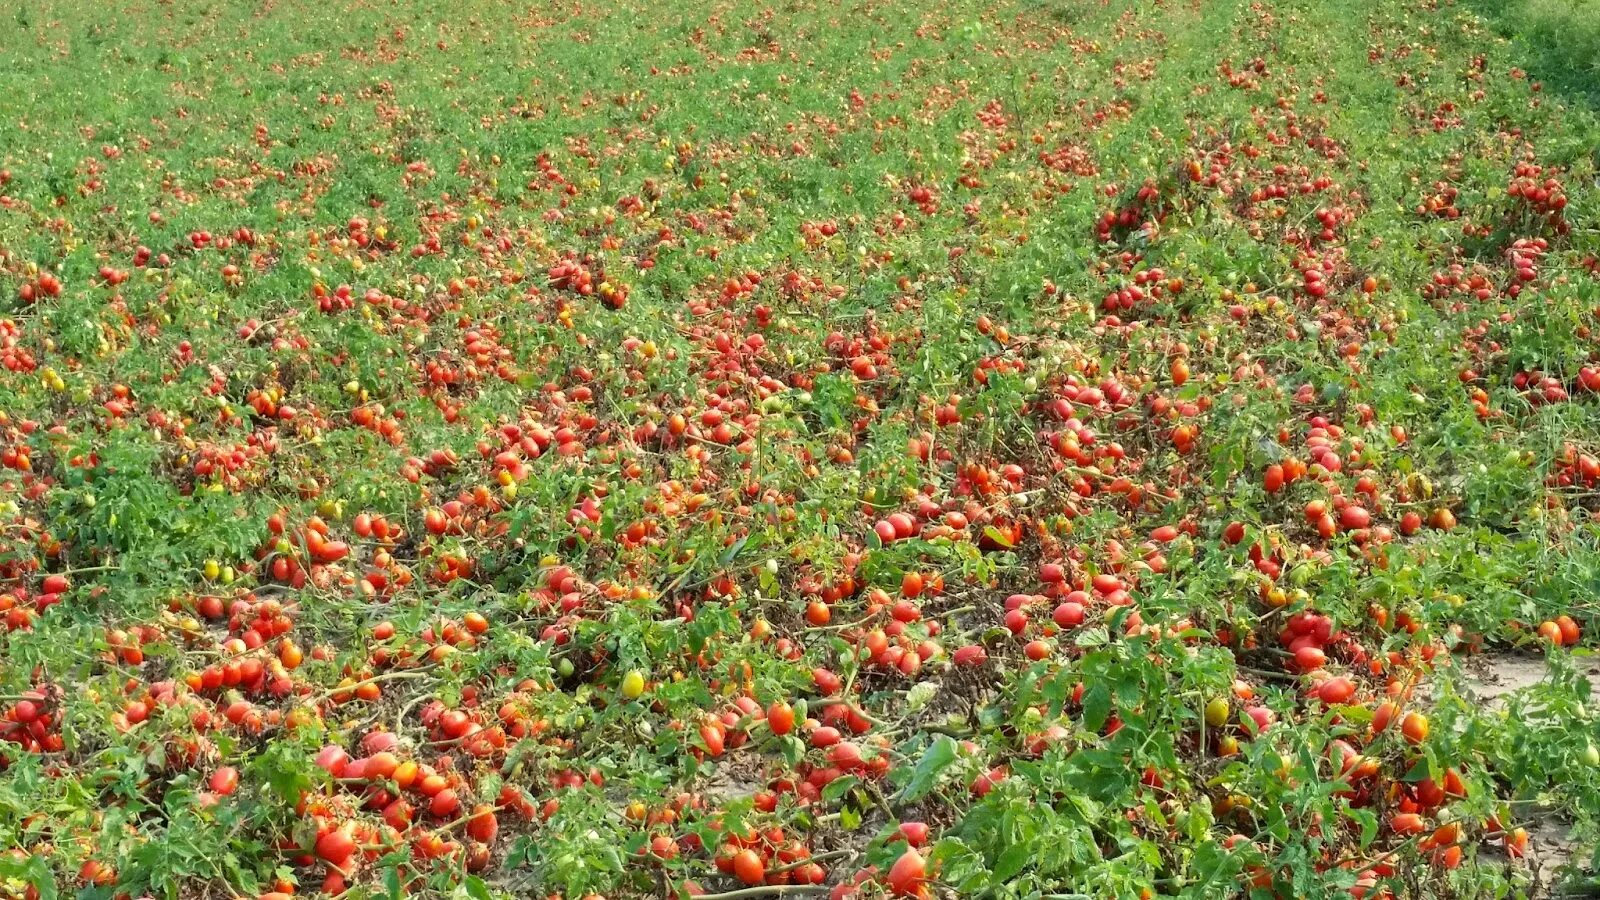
846	263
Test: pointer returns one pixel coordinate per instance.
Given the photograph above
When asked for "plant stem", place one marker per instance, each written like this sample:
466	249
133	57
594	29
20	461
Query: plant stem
769	890
400	675
818	858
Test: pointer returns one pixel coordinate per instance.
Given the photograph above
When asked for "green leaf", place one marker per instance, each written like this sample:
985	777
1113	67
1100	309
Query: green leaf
1012	861
839	787
792	748
1369	824
1359	715
1211	865
473	887
1094	636
849	819
1096	706
938	757
733	551
34	869
991	717
999	537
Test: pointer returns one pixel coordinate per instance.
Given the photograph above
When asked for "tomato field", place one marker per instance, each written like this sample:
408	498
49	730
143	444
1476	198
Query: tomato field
1021	449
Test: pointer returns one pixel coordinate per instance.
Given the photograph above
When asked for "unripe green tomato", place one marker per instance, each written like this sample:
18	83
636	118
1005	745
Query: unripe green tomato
633	685
1217	712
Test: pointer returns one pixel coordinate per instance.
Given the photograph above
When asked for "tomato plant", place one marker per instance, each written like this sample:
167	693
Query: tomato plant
1004	450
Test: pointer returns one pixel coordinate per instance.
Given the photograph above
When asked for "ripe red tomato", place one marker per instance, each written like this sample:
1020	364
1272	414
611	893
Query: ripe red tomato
1415	727
444	804
970	656
224	780
1337	691
1068	614
336	846
1353	517
483	826
1551	633
915	833
1273	481
817	613
711	735
780	717
908	875
1310	658
911	584
1569	629
1407	824
825	736
748	867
